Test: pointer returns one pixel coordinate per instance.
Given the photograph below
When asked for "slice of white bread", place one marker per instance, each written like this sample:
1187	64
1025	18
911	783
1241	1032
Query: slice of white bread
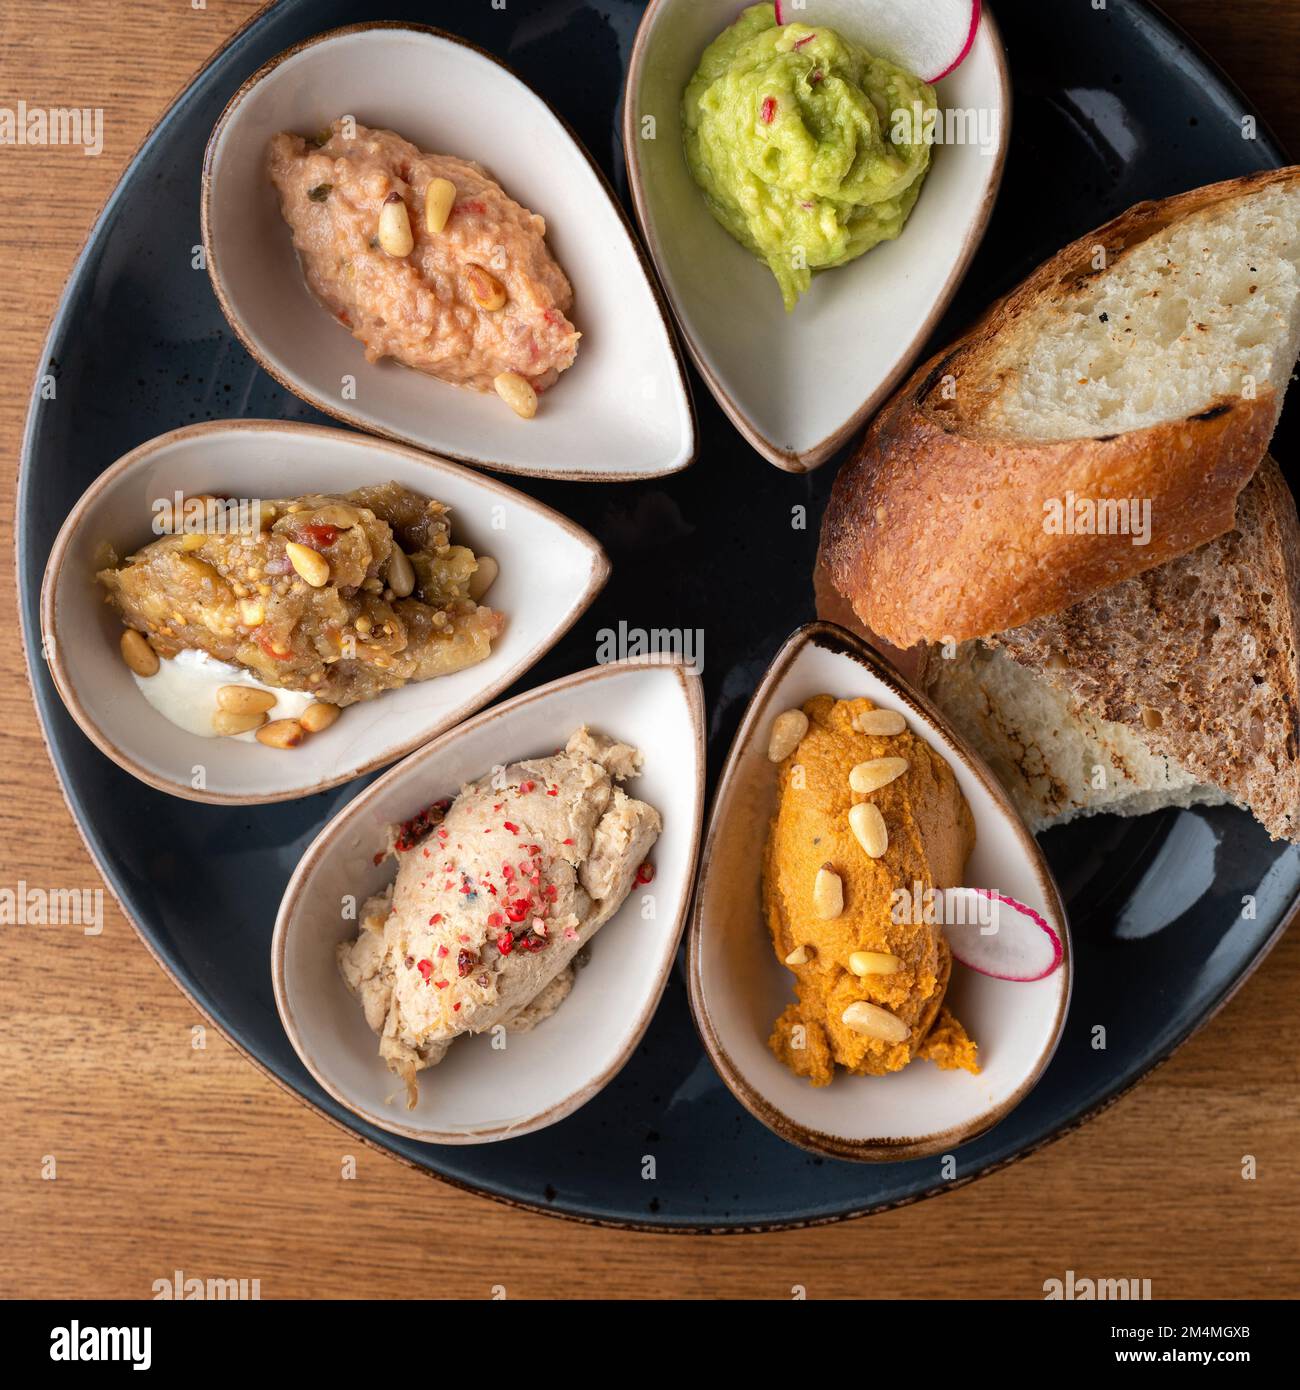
1177	686
1198	312
1155	373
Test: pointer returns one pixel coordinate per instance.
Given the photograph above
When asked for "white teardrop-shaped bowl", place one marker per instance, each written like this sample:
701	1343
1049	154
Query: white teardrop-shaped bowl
738	987
479	1093
798	385
550	571
623	411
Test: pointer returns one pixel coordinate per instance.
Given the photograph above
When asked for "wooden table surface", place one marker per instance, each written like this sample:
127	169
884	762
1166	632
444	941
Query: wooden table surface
172	1158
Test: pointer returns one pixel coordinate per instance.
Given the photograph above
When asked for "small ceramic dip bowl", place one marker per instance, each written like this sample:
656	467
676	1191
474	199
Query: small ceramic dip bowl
738	987
622	411
549	571
480	1092
798	385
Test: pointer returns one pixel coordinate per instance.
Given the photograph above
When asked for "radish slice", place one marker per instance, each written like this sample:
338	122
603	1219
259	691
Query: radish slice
972	28
929	39
995	935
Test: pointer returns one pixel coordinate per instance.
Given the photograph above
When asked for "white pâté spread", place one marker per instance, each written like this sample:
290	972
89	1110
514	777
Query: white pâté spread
495	893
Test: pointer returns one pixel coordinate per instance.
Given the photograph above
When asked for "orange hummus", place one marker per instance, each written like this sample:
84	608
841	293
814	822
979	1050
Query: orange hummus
930	836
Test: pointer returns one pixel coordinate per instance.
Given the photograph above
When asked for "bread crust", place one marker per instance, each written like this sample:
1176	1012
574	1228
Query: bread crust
935	529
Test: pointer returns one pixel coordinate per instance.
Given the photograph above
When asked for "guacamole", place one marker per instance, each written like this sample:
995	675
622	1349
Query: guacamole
790	131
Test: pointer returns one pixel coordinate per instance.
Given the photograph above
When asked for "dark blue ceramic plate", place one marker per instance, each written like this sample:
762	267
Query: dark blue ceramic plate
1110	107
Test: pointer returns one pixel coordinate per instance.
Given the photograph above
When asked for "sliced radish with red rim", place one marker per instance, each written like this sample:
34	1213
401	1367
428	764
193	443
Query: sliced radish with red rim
929	39
998	936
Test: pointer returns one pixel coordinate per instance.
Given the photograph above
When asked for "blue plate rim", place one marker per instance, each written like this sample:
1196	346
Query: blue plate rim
46	702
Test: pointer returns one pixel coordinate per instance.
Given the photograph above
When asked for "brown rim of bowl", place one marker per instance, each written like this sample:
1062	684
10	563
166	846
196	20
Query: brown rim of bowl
600	571
843	642
691	687
813	457
331	408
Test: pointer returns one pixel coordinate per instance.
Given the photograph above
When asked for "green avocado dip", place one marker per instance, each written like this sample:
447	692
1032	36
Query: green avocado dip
790	130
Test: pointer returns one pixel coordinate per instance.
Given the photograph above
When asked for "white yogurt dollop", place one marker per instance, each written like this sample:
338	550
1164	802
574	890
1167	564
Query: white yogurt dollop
185	687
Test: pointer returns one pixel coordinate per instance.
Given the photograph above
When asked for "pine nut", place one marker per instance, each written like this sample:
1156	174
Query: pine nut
401	576
828	893
338	515
788	730
318	717
281	733
517	393
486	290
199	570
868	826
484	577
138	654
874	963
884	723
245	699
878	772
799	956
439	199
874	1022
395	227
309	564
228	723
192	541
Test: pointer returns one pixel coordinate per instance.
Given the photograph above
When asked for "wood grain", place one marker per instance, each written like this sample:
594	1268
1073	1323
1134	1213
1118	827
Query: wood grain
174	1157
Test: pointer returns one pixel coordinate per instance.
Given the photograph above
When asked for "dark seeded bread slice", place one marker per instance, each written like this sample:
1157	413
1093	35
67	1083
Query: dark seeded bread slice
1057	761
1198	657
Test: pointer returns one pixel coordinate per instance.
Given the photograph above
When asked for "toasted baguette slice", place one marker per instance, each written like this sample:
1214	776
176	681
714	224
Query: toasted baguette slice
1180	685
1154	374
